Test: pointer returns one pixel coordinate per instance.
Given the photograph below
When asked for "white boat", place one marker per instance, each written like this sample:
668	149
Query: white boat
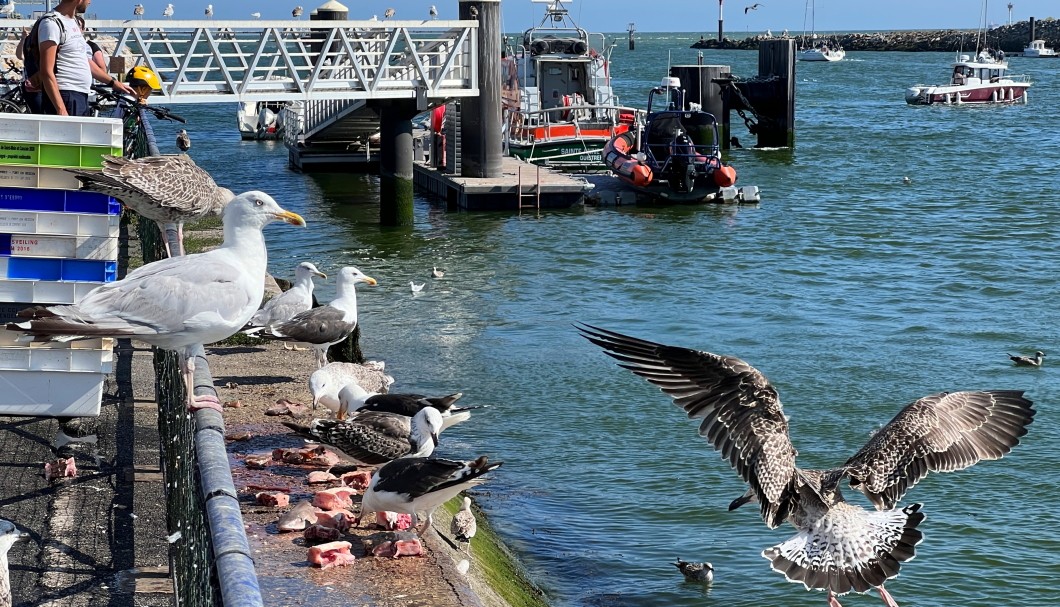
812	49
261	120
1037	48
982	80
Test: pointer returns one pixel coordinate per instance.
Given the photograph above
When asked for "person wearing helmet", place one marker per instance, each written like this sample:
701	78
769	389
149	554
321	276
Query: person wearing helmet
65	72
143	81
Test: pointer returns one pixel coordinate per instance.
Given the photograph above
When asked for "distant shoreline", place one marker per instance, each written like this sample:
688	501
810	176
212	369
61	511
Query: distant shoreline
1009	38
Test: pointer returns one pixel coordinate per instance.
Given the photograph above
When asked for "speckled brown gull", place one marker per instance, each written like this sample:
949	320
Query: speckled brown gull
1028	361
839	546
463	527
165	189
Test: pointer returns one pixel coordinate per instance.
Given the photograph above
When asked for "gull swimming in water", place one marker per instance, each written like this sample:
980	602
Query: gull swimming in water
416	288
178	302
183	141
839	546
696	572
1028	361
436	273
165	189
286	305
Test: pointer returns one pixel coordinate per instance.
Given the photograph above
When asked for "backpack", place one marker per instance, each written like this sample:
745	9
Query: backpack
31	50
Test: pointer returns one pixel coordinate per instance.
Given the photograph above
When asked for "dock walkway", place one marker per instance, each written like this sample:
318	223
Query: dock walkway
557	190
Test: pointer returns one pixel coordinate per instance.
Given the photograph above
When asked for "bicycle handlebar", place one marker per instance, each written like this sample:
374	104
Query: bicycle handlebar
129	101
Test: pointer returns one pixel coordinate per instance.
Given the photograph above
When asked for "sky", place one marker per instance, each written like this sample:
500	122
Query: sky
699	16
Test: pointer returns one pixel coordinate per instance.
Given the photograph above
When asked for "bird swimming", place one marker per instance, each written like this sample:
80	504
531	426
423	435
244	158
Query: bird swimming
416	288
177	302
1028	361
183	141
696	572
436	273
839	546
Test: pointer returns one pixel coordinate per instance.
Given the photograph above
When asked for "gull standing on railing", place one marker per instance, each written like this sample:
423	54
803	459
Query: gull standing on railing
209	11
138	11
297	12
168	12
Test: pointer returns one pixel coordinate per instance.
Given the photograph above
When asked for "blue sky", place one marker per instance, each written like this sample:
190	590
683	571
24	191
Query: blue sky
663	16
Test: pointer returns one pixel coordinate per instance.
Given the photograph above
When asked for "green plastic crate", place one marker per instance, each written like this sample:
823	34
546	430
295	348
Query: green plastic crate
54	154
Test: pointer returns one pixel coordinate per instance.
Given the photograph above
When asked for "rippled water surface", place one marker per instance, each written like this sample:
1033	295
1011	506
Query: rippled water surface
853	292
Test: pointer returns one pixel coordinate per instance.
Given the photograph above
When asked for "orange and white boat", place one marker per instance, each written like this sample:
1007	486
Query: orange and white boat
677	155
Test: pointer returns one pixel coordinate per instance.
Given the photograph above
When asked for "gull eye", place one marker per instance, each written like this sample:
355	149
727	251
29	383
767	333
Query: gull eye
258	202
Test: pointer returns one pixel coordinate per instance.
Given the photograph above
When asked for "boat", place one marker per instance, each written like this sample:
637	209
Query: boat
1037	48
260	120
984	79
676	156
817	49
559	106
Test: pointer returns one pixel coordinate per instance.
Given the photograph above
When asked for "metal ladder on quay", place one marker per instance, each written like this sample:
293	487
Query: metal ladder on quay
533	190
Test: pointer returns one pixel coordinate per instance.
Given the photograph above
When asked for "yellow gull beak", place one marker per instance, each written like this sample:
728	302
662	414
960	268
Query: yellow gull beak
370	280
292	218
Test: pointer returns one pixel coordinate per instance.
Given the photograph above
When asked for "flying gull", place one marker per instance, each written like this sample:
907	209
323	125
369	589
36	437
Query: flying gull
325	326
326	382
463	526
753	7
839	546
352	397
286	305
375	438
1028	361
166	189
702	573
420	484
178	302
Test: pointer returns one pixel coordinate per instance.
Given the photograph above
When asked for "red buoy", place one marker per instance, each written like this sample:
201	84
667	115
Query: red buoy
724	176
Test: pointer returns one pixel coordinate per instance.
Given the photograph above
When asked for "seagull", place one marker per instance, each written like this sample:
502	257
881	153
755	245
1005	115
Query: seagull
753	7
326	382
1027	361
328	325
436	273
420	484
463	527
434	12
9	535
388	13
138	11
352	397
209	11
168	11
256	15
166	189
374	18
183	141
286	305
376	438
696	572
906	180
179	302
473	11
839	546
297	12
416	288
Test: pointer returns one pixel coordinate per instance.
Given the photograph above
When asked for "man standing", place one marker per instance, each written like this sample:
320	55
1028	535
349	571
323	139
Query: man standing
65	72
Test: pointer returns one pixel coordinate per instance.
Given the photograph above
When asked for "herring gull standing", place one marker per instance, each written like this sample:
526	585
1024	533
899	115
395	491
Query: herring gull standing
325	326
178	302
286	305
463	526
326	382
297	12
166	189
839	546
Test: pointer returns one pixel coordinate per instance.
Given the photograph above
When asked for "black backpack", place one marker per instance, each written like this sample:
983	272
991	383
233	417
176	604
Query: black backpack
31	49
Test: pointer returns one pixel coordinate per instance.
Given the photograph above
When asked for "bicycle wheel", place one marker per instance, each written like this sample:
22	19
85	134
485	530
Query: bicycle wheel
10	107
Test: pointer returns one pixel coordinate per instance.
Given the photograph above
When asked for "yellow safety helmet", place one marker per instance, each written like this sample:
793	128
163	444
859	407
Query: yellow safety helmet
143	80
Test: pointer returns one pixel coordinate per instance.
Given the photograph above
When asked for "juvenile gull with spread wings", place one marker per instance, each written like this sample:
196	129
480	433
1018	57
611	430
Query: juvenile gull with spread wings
165	189
839	546
178	302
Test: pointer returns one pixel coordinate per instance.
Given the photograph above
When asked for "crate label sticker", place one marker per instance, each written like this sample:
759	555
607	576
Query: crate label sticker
17	222
20	176
18	152
23	245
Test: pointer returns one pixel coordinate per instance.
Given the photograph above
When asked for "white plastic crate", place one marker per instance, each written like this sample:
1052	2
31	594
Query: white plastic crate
44	292
69	247
55	129
74	360
50	393
10	339
49	178
59	224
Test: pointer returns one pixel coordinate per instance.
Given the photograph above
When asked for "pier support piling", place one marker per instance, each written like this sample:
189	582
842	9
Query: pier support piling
395	162
480	117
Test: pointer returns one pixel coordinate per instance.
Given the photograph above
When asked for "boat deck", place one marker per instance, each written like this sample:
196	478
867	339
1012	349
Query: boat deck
556	190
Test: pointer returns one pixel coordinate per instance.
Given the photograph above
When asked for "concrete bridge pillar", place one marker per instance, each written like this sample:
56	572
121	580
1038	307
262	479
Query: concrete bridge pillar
480	117
395	161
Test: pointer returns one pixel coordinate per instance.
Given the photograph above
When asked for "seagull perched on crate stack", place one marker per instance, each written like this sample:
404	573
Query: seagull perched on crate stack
168	12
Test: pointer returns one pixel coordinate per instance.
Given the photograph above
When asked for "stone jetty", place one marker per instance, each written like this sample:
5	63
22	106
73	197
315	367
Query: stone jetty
1009	38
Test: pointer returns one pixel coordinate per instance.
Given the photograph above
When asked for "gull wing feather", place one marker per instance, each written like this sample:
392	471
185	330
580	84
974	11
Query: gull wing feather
741	411
943	432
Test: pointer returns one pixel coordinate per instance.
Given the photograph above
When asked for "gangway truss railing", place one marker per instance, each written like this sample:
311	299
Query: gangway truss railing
248	61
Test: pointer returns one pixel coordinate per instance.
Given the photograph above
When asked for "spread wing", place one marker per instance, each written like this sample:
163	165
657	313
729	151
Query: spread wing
741	411
943	432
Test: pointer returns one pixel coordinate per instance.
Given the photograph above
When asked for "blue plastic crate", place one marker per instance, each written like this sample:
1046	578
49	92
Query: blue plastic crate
71	201
90	269
44	268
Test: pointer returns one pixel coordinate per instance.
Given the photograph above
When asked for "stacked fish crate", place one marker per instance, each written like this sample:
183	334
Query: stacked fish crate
56	245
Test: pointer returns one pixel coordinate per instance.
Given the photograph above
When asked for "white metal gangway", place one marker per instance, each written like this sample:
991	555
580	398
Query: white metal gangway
333	67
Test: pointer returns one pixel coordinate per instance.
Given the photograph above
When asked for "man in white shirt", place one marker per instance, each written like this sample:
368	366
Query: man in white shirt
65	72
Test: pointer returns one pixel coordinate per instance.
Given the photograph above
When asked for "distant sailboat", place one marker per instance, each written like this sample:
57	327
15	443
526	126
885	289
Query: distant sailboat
812	49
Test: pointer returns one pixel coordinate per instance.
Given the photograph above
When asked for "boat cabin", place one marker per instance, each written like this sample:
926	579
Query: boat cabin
966	72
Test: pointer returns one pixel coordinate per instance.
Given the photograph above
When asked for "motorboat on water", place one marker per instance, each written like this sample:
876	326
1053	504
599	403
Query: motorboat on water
1037	48
984	79
261	120
560	108
676	156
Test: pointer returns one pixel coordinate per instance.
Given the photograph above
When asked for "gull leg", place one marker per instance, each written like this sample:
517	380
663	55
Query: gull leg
886	596
832	600
165	239
204	401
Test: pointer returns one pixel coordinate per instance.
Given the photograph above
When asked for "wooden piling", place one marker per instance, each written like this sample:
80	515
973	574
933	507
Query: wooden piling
776	59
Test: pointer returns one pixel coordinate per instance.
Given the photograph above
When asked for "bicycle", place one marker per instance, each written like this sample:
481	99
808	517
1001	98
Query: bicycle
138	138
12	101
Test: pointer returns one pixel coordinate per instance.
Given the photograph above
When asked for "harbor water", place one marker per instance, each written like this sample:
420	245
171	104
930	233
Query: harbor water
854	292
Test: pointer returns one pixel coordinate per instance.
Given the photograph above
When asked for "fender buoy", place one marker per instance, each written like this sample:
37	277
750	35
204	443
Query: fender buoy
724	176
437	119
